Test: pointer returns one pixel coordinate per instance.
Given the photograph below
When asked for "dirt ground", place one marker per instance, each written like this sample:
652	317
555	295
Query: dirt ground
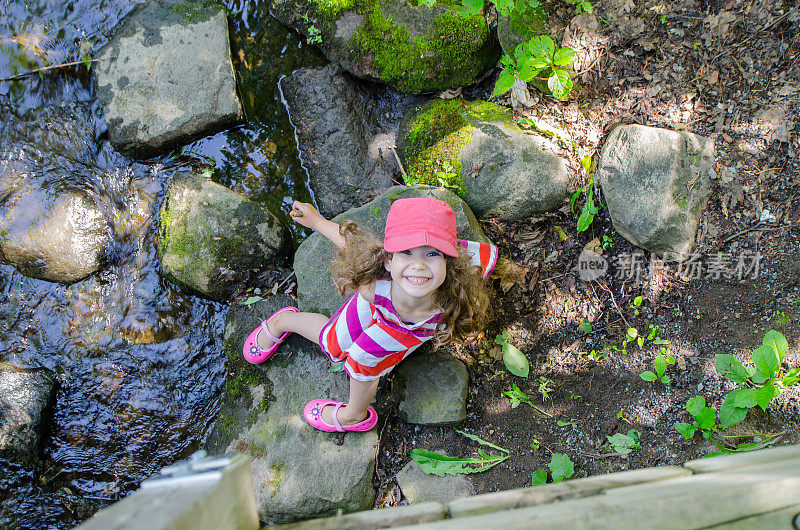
725	69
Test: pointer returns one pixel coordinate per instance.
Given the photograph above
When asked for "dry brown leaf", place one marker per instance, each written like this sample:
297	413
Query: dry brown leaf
509	273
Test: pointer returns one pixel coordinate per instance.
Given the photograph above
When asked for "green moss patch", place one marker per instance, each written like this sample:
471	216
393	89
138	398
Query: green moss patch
434	137
453	54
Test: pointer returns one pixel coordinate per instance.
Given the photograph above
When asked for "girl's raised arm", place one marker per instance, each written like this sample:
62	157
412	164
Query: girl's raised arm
308	216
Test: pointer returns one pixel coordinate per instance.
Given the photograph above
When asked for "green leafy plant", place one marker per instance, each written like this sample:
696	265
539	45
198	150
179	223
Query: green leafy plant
705	419
562	423
637	303
590	208
537	59
627	419
625	443
517	396
515	360
314	35
659	368
439	465
447	176
585	326
582	5
607	243
252	300
544	388
758	384
561	468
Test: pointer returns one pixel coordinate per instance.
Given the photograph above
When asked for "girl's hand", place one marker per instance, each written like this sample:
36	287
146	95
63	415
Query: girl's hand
306	215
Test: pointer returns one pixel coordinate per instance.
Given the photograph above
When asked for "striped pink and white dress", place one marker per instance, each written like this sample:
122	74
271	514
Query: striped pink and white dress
371	338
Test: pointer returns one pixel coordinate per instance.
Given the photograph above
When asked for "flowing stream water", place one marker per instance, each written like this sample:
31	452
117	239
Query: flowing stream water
138	361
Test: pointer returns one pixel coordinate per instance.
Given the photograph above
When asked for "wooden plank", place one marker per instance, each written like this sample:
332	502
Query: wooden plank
784	518
721	463
414	514
695	501
572	489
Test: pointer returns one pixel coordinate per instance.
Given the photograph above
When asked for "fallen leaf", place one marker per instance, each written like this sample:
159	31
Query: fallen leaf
713	79
594	246
727	138
509	273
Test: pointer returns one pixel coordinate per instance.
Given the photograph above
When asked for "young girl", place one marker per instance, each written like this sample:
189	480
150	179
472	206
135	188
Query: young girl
420	284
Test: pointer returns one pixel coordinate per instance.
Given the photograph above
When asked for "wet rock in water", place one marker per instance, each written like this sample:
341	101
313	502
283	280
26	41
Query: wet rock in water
346	154
211	238
312	261
166	77
25	398
419	487
655	183
414	48
61	238
298	471
498	169
433	389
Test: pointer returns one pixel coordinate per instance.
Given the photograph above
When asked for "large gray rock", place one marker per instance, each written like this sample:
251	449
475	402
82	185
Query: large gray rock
166	77
25	398
315	289
298	472
211	238
54	224
433	389
499	169
419	487
59	238
345	152
655	183
409	46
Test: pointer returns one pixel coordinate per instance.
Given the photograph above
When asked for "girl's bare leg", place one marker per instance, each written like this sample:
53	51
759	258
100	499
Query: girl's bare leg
361	394
309	325
306	324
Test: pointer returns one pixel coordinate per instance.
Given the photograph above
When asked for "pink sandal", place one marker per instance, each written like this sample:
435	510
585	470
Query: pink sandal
255	355
313	415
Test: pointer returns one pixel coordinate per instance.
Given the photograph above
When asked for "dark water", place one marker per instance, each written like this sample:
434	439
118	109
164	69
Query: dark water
139	362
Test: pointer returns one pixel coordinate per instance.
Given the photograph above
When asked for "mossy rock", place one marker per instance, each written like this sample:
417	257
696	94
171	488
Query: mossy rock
210	238
432	136
498	169
315	289
261	415
412	48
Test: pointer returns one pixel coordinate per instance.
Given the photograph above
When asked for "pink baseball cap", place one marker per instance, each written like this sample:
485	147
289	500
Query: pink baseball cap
420	222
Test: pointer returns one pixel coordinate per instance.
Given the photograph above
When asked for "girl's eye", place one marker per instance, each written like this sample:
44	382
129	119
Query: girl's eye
433	253
406	252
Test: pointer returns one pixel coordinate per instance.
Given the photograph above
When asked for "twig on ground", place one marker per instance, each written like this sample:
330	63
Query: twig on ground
608	290
403	171
42	69
757	226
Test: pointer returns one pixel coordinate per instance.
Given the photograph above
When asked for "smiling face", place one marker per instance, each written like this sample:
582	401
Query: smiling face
417	272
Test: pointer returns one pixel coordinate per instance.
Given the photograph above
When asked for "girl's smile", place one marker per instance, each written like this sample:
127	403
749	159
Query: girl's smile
417	272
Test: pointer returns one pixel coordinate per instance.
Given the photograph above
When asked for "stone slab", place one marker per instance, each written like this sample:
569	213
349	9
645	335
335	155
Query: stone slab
166	77
434	389
420	487
298	472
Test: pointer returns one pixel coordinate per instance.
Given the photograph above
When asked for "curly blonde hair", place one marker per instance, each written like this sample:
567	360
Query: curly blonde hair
463	298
